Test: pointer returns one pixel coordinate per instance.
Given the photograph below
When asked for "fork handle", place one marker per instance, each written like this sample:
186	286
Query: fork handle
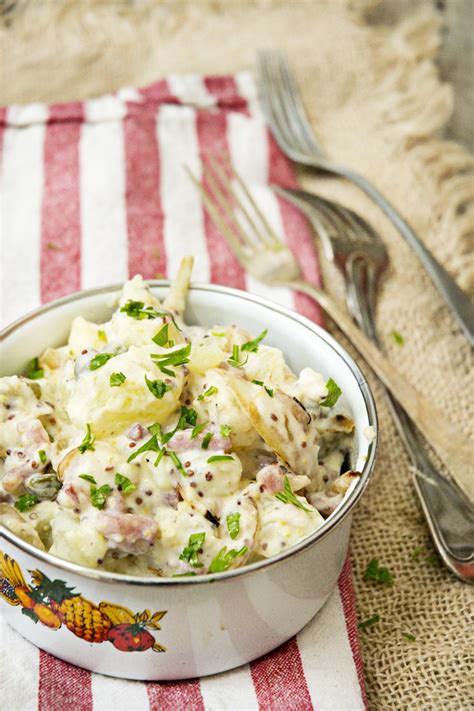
449	515
450	446
460	304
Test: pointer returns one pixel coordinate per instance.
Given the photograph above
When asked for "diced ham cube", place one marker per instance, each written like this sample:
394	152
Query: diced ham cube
128	533
181	441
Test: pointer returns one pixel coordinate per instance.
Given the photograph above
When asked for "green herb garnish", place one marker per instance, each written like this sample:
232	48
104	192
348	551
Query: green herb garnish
87	442
99	495
220	458
206	440
136	310
187	416
180	356
198	429
42	456
398	338
191	552
102	336
210	391
288	497
157	387
374	573
33	370
409	637
100	359
150	445
219	335
177	462
161	338
124	484
224	558
369	623
117	379
269	391
252	346
233	525
234	360
88	477
25	502
334	393
225	430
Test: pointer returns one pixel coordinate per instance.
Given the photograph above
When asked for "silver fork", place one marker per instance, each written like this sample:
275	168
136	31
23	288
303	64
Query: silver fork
357	250
234	211
286	115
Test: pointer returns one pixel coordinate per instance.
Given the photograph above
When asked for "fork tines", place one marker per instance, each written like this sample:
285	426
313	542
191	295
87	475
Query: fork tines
231	206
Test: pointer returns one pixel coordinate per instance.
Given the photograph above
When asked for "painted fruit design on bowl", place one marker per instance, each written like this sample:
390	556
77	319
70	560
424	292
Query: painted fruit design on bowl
54	604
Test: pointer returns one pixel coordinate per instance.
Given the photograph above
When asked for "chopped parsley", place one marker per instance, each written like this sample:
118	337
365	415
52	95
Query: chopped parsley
398	338
288	497
180	356
124	484
162	337
157	387
210	391
117	379
220	458
25	502
99	495
224	558
269	391
233	525
198	429
219	335
187	416
369	622
102	336
177	462
87	442
88	477
234	360
42	456
252	346
100	359
375	573
206	440
33	370
225	430
160	456
191	552
410	637
150	445
137	310
334	393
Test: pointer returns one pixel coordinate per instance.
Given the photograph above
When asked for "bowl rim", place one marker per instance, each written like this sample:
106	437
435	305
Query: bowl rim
352	497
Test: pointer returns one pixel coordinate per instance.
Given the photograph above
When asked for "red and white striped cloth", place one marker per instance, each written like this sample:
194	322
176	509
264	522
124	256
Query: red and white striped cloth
93	193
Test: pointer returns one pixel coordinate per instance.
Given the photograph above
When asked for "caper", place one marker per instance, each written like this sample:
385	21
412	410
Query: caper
44	486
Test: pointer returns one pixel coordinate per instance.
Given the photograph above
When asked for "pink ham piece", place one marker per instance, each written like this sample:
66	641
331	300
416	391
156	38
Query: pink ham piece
181	441
270	479
22	463
127	533
136	432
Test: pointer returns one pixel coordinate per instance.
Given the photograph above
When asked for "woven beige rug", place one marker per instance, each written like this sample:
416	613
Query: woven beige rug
377	106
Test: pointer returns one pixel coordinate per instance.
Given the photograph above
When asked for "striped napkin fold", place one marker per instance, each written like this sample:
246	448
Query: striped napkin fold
94	193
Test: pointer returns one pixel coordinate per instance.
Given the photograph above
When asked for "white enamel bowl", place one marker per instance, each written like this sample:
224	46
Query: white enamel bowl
214	622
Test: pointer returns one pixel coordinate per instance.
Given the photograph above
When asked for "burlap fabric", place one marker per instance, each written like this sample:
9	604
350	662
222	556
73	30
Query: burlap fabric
378	107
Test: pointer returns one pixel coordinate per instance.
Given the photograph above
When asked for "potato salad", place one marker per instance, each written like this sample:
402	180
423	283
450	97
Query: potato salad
149	447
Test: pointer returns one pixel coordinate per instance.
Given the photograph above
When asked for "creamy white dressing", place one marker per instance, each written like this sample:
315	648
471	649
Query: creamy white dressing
239	487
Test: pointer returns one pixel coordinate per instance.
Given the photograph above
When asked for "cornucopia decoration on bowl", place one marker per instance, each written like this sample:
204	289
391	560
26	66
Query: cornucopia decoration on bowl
54	604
